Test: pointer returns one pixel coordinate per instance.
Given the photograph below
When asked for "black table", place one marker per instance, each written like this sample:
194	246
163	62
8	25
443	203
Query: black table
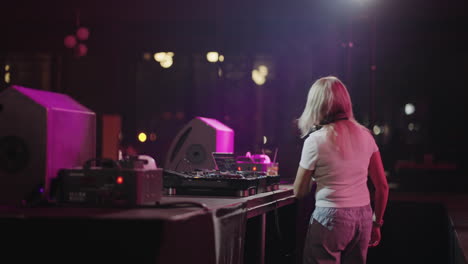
182	229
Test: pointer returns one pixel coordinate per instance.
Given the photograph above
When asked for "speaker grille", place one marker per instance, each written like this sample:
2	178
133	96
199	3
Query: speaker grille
196	154
14	154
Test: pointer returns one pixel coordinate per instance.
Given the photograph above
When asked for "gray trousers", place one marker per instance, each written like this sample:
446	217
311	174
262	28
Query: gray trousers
338	235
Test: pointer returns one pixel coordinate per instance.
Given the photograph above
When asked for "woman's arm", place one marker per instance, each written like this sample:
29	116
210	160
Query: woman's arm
302	182
377	175
379	180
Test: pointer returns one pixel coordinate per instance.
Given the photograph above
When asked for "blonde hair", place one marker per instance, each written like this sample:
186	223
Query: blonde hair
328	102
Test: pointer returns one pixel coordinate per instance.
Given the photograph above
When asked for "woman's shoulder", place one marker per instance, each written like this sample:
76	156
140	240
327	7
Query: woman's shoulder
316	137
315	133
368	138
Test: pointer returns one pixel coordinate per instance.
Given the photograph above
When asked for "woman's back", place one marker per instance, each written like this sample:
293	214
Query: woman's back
339	153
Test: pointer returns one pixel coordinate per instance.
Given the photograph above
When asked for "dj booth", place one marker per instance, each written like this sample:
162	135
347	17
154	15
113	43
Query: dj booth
182	229
58	205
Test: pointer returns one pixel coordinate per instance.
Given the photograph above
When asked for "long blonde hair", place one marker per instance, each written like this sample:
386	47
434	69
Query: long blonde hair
329	104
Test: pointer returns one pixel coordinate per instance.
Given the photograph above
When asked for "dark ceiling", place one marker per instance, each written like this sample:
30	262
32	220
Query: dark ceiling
39	25
107	11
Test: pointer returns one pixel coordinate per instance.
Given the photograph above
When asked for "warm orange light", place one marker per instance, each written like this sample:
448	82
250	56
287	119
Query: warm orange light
119	180
7	77
254	168
239	168
212	56
147	56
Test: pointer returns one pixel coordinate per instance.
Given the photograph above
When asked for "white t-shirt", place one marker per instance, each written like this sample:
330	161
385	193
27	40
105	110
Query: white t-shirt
340	182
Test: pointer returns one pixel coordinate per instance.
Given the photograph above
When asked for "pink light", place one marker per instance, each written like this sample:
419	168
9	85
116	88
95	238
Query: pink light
82	33
70	41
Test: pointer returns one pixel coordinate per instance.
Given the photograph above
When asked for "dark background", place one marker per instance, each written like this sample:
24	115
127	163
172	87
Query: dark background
388	53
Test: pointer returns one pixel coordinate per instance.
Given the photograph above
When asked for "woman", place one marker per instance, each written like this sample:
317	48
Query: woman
338	155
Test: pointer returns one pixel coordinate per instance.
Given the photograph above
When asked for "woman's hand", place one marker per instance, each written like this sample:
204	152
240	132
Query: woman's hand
375	236
302	182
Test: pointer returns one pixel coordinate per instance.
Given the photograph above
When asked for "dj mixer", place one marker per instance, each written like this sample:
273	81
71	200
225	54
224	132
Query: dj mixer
218	183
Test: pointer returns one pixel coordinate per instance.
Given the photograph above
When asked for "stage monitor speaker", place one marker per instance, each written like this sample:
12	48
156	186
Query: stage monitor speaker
41	132
193	146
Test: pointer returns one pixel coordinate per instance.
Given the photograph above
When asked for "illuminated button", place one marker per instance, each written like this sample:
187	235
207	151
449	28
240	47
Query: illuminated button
120	180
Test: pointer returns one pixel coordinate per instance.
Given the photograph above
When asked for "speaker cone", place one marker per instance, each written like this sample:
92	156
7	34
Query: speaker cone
14	154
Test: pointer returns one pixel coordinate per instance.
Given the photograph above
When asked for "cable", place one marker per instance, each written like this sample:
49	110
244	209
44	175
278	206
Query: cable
282	243
278	229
